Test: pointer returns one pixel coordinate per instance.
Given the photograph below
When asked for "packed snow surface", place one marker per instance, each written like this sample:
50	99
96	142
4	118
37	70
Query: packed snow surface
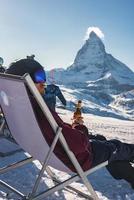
106	187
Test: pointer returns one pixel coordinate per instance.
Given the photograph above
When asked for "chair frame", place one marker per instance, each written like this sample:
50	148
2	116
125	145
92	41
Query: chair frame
80	174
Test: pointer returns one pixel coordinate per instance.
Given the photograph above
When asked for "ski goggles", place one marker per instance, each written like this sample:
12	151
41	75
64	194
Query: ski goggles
40	76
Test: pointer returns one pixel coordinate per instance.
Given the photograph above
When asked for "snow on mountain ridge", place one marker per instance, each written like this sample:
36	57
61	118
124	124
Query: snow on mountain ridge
125	102
119	70
106	76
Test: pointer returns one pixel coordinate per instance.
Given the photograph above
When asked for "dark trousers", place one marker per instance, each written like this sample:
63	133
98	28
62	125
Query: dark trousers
122	170
119	156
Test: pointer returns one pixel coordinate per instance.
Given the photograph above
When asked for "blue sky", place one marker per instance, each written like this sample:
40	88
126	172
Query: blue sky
54	30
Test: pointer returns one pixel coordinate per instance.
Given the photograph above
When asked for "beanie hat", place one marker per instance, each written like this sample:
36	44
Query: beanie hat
24	66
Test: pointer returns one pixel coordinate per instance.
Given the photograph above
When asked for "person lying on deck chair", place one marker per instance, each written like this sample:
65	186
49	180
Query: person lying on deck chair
89	152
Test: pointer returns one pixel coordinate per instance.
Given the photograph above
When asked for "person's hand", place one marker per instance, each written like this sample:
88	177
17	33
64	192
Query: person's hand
61	106
78	121
64	107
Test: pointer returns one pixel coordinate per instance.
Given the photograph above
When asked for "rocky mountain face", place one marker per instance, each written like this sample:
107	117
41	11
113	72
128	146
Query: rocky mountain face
101	69
98	74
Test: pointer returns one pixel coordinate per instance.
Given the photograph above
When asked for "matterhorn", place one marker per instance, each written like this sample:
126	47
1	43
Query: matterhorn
100	79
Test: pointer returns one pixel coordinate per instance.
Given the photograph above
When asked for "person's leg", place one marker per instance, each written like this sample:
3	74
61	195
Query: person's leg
119	156
102	151
96	137
123	151
122	170
112	150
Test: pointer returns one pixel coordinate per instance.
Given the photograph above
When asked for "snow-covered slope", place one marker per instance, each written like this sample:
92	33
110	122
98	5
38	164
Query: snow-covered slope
99	103
107	188
125	102
97	75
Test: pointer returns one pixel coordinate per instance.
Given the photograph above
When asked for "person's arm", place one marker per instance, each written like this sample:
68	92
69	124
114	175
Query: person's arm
60	96
77	141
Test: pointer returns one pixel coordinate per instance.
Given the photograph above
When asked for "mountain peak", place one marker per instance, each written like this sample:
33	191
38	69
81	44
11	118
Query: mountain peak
93	35
91	53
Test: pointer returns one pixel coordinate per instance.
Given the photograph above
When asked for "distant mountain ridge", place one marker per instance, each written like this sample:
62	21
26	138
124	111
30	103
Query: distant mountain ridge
98	74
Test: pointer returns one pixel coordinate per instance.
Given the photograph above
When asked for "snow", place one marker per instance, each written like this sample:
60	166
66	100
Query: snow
106	187
96	102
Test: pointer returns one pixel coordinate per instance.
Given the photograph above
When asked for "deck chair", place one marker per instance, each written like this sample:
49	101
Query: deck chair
21	120
3	127
2	122
8	145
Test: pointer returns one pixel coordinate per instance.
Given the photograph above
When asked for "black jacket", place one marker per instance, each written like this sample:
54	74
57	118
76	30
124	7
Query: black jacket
51	92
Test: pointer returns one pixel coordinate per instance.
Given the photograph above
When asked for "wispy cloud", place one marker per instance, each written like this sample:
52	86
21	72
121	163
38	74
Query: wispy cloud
96	30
